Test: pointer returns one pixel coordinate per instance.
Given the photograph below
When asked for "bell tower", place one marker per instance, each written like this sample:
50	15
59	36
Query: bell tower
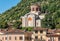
35	8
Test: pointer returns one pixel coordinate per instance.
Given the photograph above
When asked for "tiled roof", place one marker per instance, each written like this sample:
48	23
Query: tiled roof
17	31
53	35
28	33
51	31
12	31
3	30
57	31
39	28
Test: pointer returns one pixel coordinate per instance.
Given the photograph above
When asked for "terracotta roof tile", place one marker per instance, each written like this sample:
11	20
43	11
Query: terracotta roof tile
53	35
57	31
17	31
51	31
39	28
12	31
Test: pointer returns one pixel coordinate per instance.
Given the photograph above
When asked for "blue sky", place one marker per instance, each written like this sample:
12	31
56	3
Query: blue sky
7	4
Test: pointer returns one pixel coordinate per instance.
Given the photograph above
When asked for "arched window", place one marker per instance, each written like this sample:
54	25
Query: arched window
20	38
36	9
32	9
15	38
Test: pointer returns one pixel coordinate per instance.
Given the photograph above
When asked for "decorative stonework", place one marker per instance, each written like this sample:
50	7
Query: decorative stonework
33	18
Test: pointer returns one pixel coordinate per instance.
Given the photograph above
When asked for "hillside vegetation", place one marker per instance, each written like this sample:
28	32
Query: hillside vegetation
51	7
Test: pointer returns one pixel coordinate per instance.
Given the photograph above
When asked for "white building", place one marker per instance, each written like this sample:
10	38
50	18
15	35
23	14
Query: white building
33	18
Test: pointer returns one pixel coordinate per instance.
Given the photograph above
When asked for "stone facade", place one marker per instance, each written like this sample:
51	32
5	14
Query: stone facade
37	34
33	18
44	34
14	35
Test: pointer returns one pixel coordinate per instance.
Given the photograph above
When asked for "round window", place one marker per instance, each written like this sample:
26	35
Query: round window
29	18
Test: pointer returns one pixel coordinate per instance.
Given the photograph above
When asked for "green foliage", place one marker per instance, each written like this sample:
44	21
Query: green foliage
52	20
3	25
52	7
23	28
27	28
17	24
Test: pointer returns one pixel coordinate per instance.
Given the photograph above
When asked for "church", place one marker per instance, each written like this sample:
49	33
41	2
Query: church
33	18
